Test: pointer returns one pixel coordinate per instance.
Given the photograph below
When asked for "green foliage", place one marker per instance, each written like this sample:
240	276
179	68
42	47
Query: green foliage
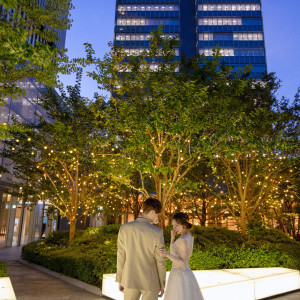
223	257
270	236
19	20
94	251
89	256
3	269
209	237
109	229
160	111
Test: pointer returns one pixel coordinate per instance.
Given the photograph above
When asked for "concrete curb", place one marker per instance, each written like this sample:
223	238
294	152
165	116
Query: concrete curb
6	289
85	286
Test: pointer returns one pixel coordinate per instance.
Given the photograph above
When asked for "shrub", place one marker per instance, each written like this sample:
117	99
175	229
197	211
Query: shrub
230	258
270	236
94	251
3	269
87	258
207	237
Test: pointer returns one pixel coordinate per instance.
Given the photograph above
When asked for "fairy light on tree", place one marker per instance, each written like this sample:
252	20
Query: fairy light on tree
61	167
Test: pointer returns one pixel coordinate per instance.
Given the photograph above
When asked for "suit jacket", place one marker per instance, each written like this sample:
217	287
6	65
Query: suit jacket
139	264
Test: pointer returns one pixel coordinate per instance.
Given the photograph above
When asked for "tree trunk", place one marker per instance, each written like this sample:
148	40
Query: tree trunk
243	220
203	214
162	219
72	230
136	205
83	224
125	217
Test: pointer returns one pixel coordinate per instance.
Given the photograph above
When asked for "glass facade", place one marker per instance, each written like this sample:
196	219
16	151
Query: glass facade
236	26
135	20
15	221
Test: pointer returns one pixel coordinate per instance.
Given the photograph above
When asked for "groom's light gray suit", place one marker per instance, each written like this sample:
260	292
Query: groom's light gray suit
140	268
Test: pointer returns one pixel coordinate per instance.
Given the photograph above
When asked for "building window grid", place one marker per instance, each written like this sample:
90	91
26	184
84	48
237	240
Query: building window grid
145	22
229	7
166	7
240	36
253	52
223	51
248	36
138	51
138	37
219	21
247	25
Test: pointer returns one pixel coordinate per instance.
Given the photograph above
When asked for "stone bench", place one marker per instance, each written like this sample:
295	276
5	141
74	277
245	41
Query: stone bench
231	284
6	289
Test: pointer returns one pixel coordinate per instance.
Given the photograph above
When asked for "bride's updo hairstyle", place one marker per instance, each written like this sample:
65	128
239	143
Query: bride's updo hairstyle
182	219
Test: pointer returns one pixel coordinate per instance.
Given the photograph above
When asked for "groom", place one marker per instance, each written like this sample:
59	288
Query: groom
140	268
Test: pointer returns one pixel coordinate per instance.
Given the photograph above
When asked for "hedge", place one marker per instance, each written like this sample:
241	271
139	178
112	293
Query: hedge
94	251
3	269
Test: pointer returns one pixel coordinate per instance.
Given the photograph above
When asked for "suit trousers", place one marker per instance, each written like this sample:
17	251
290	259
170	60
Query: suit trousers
132	294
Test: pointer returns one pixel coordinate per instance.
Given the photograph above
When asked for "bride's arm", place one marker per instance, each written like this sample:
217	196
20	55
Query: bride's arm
181	259
173	234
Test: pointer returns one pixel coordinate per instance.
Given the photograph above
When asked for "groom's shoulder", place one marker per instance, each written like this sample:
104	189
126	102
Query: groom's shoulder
127	225
135	223
155	229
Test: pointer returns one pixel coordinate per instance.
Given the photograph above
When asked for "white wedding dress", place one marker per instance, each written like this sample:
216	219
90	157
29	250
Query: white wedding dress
182	284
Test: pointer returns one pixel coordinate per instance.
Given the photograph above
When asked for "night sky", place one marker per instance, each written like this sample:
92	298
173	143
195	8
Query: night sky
93	22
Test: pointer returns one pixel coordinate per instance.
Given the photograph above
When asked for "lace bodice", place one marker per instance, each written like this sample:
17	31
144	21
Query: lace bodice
182	283
183	248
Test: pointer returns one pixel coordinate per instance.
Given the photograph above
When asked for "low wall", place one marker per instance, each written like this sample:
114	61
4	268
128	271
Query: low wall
230	284
6	289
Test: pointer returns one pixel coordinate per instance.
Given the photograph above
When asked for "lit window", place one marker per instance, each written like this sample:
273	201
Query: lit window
137	37
229	7
143	22
148	8
206	37
248	36
219	21
223	51
138	51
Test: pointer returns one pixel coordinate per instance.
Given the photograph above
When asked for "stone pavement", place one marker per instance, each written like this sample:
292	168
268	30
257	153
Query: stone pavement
30	284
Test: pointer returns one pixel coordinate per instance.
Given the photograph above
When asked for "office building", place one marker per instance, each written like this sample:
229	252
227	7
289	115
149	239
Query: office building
236	26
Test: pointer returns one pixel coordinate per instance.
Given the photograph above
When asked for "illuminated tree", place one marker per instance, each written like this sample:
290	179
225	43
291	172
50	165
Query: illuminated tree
56	158
164	121
259	140
201	195
284	208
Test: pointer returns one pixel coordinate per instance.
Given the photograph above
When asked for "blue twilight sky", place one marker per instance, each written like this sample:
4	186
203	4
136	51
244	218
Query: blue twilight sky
93	22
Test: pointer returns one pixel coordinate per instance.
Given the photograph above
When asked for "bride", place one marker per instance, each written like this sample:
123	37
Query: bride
182	283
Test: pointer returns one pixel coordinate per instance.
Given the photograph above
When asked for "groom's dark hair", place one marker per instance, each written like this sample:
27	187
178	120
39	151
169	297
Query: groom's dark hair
151	204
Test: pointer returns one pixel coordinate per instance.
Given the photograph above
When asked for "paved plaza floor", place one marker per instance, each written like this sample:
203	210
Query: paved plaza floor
30	284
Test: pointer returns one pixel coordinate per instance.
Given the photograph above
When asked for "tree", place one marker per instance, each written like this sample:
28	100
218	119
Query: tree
168	115
56	158
201	195
286	200
162	120
258	140
20	22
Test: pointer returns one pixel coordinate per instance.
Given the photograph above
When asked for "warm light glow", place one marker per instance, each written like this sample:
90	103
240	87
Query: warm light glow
246	284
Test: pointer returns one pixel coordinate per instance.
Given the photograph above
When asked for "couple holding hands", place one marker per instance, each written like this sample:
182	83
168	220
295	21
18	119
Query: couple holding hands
141	265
